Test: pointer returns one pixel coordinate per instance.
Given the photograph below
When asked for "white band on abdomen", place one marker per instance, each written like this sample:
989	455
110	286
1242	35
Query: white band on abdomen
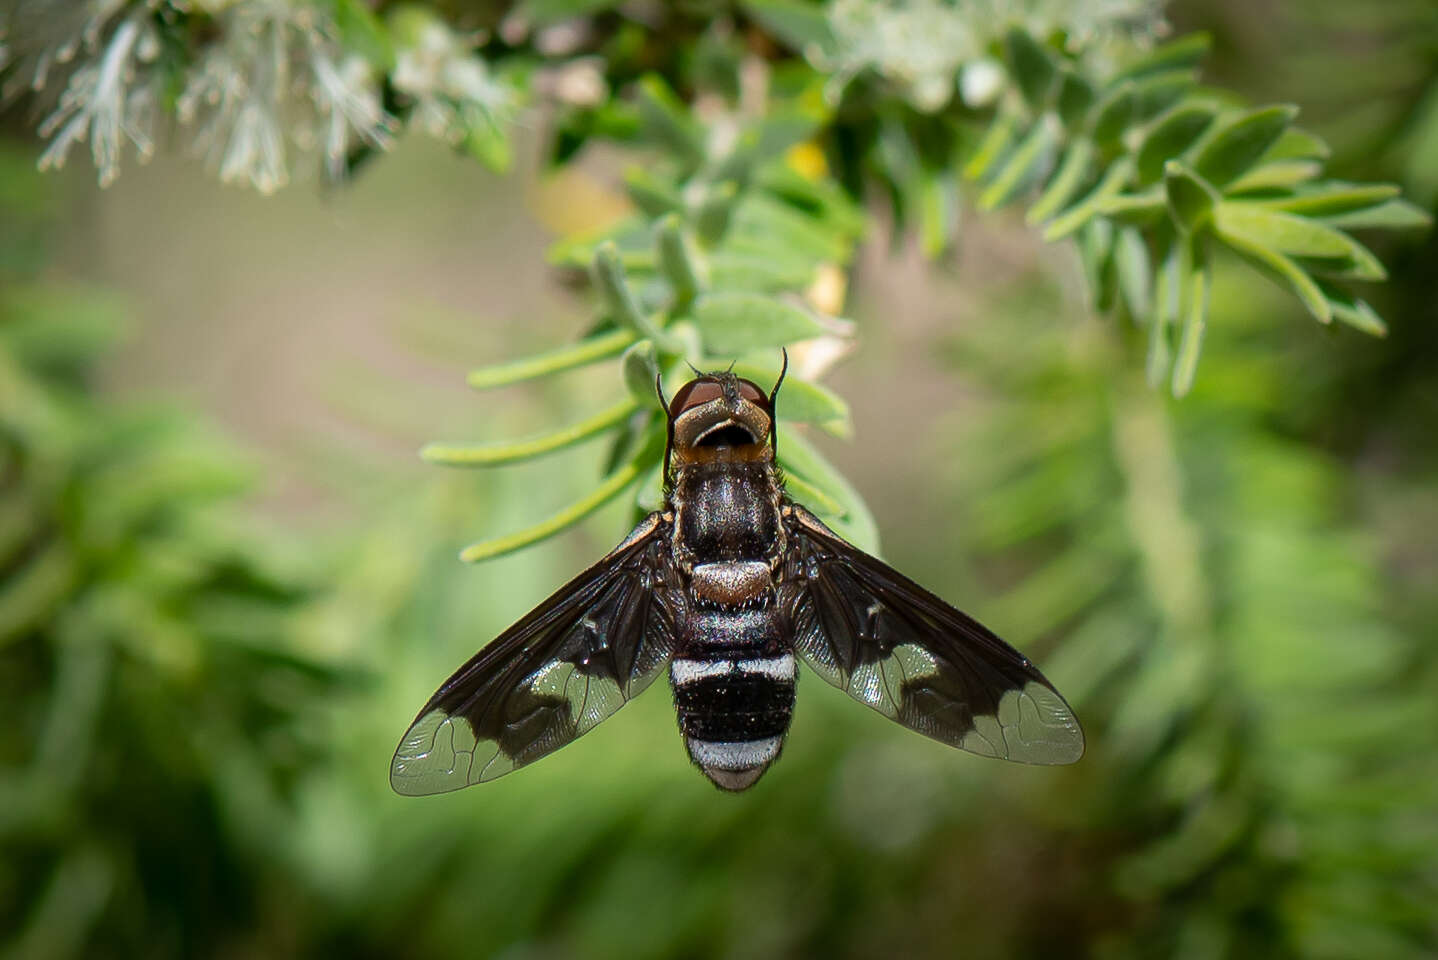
780	668
689	671
741	755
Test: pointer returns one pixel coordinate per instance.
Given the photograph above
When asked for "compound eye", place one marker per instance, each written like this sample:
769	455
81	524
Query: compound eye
750	391
693	394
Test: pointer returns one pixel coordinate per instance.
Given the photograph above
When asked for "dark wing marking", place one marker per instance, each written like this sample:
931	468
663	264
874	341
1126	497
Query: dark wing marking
894	646
572	661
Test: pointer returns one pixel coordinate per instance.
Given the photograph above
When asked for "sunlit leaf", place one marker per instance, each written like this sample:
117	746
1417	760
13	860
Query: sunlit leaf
997	141
495	454
1023	167
1073	169
609	488
591	350
1077	215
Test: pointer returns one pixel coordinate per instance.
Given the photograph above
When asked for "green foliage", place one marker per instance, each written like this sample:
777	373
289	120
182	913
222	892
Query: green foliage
145	648
746	205
1221	616
1175	171
1235	590
1151	174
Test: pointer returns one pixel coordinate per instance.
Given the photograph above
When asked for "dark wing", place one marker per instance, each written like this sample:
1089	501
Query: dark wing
572	661
894	646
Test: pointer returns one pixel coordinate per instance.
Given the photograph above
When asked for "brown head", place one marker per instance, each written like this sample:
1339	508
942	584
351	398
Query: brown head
720	417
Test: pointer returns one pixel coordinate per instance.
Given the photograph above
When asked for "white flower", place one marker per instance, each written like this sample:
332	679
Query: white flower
240	84
271	77
107	102
348	102
924	45
453	90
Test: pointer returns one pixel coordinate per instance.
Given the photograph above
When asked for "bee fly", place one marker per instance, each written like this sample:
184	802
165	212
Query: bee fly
724	587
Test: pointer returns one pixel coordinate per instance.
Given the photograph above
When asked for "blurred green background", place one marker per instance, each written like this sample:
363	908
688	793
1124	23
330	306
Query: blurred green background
226	583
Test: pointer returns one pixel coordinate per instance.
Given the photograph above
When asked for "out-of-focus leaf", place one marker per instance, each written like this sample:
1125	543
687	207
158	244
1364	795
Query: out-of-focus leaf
1112	115
31	595
1190	199
1135	273
361	32
489	143
1329	199
1073	169
752	272
542	12
1138	209
652	194
1396	214
1182	53
1193	318
1170	135
1077	215
678	263
1075	98
1095	247
997	141
1155	93
1281	173
1164	316
798	457
1235	145
715	212
1023	167
1297	236
1297	144
640	366
938	211
812	497
1353	311
734	323
1286	271
665	120
764	224
803	26
1032	67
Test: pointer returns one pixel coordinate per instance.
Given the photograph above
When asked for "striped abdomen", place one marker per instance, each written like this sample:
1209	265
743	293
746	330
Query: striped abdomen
733	676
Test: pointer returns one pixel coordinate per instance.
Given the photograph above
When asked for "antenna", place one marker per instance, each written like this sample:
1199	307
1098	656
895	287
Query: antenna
773	415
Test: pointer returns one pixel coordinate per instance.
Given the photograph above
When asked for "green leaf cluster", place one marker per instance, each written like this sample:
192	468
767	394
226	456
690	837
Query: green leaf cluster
1149	173
1218	612
754	129
1152	174
709	271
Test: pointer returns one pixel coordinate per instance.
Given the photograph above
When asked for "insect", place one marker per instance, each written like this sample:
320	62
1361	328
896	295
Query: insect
724	588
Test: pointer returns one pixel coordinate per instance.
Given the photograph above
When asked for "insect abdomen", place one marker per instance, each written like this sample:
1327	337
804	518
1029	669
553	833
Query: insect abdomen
734	678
